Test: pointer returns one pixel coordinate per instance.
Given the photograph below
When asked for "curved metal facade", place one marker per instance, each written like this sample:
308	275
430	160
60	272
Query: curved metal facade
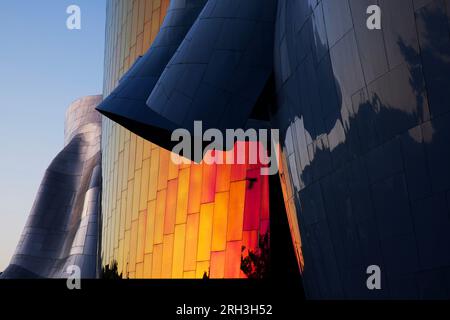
162	220
62	229
365	120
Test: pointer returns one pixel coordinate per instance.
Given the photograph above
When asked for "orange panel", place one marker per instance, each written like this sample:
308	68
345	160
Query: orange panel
219	235
159	218
217	265
171	207
190	258
205	231
223	177
173	169
183	193
178	251
195	188
236	211
167	257
233	259
148	11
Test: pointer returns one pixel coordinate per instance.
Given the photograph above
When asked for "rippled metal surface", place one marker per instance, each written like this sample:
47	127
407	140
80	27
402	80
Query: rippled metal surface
63	225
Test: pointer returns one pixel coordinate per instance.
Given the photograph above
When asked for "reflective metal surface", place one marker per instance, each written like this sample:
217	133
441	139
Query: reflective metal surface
365	121
126	105
221	68
63	226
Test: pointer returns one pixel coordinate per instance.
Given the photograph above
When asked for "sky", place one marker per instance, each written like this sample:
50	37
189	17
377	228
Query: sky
43	68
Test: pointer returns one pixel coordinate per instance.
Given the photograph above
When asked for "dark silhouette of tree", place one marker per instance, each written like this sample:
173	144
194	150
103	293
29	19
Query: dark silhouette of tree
256	264
111	273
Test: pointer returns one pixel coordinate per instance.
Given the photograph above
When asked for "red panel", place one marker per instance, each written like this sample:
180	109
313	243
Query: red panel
253	200
208	183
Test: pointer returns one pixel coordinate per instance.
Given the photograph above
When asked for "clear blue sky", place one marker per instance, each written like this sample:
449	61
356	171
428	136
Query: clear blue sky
43	68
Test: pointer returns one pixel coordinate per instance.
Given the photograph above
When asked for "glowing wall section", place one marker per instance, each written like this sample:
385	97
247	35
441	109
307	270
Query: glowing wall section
162	220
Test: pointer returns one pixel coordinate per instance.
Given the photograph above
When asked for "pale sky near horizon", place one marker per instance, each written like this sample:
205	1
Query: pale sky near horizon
43	68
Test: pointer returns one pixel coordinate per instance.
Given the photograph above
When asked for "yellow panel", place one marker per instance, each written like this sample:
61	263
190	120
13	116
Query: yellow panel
126	253
139	152
119	258
205	231
157	261
164	158
141	236
133	246
219	235
121	174
139	271
190	258
182	198
136	194
123	214
202	269
236	210
129	204
150	229
144	185
178	251
167	257
171	207
189	275
159	218
148	266
147	150
132	159
154	170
